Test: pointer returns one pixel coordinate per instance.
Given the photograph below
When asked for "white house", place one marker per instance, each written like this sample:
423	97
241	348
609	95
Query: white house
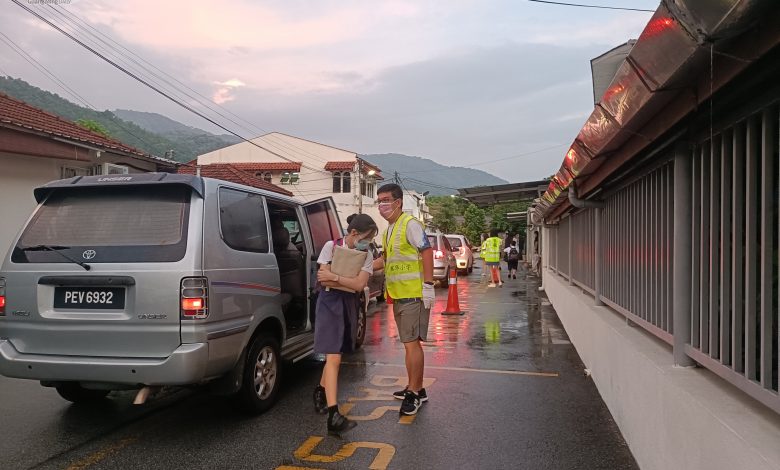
415	205
37	147
309	170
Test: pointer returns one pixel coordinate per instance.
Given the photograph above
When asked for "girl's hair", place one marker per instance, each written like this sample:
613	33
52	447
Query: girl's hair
362	223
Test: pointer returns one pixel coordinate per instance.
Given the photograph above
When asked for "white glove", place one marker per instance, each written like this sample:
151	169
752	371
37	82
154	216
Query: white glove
428	295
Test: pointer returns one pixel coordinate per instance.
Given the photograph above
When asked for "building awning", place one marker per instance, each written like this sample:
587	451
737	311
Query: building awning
340	166
512	192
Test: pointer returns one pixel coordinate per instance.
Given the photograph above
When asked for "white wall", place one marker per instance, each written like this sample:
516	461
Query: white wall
315	182
671	418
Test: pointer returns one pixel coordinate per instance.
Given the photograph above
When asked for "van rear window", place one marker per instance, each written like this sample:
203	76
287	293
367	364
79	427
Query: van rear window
132	224
455	242
434	241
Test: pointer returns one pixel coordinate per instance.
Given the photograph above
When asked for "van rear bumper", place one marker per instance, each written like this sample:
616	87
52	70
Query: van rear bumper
187	365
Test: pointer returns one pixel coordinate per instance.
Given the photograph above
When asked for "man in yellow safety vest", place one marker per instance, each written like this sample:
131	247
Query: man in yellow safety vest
409	282
491	253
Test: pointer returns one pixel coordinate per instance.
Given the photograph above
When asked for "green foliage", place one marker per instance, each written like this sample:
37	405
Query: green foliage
443	210
185	146
473	223
93	126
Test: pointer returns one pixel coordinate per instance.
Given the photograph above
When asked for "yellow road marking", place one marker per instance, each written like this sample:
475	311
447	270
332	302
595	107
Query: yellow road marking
394	381
294	467
380	462
102	454
463	369
373	394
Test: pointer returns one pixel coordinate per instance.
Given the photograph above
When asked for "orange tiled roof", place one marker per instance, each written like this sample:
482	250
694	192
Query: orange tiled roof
18	114
229	172
269	166
340	166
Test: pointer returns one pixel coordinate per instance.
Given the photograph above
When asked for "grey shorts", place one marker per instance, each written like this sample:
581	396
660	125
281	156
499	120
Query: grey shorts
411	319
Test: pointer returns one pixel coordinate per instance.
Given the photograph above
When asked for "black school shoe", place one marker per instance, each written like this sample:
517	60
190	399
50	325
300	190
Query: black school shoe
320	401
411	404
400	394
338	423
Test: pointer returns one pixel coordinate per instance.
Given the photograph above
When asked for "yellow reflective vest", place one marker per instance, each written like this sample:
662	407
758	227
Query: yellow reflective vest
491	250
403	266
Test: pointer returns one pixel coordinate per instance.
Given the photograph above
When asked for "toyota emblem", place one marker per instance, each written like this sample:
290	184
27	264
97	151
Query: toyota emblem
89	254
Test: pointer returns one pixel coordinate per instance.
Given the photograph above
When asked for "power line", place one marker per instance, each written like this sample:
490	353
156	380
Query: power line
71	19
591	6
51	76
149	85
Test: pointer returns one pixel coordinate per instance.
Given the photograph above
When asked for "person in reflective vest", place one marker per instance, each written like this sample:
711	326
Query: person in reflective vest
409	282
491	253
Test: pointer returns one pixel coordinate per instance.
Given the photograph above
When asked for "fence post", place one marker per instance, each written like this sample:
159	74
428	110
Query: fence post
681	272
598	255
571	251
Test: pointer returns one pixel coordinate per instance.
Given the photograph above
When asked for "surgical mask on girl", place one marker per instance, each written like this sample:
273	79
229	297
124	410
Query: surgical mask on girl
386	209
362	245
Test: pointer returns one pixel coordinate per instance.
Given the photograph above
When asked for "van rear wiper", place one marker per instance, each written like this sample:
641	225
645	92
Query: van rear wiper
55	249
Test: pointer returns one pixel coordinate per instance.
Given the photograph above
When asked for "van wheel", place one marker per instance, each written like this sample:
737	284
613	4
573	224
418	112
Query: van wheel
260	384
361	327
75	393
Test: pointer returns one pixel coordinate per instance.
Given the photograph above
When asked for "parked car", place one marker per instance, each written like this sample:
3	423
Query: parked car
464	253
443	258
149	280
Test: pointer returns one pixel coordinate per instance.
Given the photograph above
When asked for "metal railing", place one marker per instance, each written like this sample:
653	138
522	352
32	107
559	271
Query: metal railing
729	313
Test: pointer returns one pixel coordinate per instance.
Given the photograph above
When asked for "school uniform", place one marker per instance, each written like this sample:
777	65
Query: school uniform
335	327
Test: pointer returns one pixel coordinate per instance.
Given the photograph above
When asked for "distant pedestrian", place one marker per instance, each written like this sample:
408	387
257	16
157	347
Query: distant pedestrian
335	329
491	253
512	259
409	281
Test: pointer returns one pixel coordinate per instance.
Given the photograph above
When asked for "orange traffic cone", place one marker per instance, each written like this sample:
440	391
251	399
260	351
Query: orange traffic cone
453	305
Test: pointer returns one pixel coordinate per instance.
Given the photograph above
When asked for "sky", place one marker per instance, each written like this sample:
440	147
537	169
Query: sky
499	85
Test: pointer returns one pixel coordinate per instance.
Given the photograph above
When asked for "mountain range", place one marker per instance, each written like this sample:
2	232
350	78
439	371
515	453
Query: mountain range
159	135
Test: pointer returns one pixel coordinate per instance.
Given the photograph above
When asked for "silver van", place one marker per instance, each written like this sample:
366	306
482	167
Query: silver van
148	280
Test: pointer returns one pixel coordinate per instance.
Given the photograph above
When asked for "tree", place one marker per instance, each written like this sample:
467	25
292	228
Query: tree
93	126
474	223
444	211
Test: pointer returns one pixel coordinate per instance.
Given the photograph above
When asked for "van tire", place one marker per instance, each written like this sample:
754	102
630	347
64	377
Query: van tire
361	326
74	392
262	375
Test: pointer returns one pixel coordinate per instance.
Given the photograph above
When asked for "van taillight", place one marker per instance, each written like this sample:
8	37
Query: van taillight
194	297
439	254
2	297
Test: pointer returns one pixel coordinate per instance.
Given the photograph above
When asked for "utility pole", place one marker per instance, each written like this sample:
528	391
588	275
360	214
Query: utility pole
360	186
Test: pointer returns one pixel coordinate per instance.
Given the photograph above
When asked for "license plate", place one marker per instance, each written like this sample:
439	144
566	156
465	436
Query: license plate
96	298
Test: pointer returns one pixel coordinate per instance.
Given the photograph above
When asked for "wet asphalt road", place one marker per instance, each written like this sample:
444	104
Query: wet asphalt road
506	389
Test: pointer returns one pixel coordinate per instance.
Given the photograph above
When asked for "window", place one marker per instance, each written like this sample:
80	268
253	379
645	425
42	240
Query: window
368	188
337	182
290	177
242	220
265	176
130	224
346	182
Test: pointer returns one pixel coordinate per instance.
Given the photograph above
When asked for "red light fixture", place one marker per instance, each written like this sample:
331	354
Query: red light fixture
439	254
194	297
2	305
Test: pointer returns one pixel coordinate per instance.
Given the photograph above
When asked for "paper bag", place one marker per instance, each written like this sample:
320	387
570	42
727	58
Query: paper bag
347	262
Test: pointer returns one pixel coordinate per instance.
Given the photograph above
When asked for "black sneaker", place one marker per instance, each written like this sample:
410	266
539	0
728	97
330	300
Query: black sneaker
339	423
411	404
320	401
400	394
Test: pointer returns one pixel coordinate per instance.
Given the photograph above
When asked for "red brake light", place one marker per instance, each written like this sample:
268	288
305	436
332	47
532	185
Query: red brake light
192	304
2	305
439	254
194	297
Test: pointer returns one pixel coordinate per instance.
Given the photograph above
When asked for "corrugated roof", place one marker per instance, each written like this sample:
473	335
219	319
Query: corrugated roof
22	116
228	172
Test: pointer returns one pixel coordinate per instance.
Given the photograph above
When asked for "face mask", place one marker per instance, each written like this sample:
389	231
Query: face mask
362	245
386	209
